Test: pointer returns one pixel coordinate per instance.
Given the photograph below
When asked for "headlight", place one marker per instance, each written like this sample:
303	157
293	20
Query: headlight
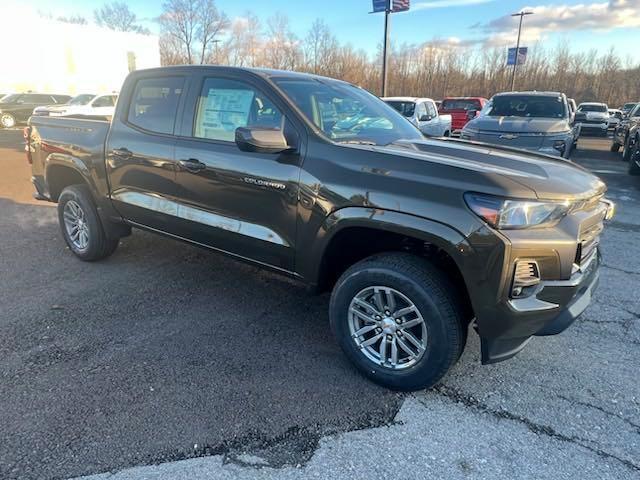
504	214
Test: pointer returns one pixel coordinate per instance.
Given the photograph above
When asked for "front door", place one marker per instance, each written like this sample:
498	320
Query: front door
140	152
243	203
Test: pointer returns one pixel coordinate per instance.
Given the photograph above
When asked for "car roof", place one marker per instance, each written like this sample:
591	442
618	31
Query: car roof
532	92
406	99
597	104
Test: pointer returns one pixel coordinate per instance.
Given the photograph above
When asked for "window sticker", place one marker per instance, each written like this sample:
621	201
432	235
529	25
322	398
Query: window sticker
223	111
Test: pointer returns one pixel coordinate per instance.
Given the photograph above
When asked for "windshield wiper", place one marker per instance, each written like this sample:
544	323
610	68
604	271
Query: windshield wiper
359	142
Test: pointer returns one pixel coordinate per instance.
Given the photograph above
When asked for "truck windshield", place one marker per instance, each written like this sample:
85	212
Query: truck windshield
347	114
81	99
11	98
405	108
532	106
460	104
593	108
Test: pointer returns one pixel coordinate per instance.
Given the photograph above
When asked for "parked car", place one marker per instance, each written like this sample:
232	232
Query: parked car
615	117
633	149
593	118
535	121
422	112
623	135
627	107
576	127
18	107
84	104
461	109
416	237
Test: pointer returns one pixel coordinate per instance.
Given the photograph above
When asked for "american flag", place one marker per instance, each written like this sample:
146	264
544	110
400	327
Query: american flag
393	6
400	5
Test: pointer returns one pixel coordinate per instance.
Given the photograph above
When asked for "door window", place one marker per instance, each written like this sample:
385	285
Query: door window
421	110
154	103
38	99
431	110
225	105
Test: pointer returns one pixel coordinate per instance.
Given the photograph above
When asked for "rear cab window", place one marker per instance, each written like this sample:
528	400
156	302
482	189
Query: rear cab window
154	103
460	104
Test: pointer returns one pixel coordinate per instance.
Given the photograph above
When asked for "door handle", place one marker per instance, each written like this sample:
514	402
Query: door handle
192	165
122	152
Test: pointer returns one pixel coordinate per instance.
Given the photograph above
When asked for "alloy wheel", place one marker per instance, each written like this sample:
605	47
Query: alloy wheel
75	224
387	327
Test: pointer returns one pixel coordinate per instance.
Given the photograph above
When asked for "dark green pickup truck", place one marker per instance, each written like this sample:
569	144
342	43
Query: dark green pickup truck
319	180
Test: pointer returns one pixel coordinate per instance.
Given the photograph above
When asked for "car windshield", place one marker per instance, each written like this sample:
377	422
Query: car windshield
82	99
347	114
11	98
628	107
405	108
532	106
593	108
460	104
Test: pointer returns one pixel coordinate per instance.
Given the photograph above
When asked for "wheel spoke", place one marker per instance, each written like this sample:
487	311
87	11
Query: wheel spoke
383	350
363	330
368	306
416	343
371	341
406	348
391	300
404	311
377	297
412	323
394	352
362	316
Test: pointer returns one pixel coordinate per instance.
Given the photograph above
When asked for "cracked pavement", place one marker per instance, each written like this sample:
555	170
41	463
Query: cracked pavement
139	368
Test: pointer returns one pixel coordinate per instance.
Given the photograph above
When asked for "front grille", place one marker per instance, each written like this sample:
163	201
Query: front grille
589	241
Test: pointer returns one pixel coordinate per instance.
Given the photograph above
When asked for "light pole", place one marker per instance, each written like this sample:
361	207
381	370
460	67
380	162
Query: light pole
385	48
515	62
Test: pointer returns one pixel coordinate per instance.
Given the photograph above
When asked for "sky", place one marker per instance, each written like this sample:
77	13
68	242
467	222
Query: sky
584	24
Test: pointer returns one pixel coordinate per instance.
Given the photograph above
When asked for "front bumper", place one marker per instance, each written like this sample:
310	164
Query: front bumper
567	261
587	127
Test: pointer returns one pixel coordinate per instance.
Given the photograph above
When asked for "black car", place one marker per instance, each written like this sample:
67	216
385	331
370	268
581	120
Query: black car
17	108
627	107
623	136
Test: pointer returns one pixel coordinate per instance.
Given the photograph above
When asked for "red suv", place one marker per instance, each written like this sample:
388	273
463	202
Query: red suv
459	108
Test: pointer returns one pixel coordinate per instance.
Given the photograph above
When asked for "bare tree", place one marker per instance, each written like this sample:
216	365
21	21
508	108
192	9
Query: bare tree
117	16
192	26
75	19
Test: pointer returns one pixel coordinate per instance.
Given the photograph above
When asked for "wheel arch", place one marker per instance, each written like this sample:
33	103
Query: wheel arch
62	170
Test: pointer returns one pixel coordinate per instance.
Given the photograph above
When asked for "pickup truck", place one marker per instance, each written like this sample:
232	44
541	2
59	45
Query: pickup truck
417	239
423	113
461	109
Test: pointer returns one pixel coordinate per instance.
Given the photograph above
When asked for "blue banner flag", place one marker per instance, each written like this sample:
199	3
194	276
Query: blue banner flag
380	5
522	56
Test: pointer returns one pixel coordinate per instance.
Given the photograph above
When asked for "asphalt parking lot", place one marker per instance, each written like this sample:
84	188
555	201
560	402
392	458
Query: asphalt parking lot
186	365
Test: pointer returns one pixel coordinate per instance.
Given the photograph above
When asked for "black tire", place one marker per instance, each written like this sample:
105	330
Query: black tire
628	150
634	158
99	245
615	147
431	293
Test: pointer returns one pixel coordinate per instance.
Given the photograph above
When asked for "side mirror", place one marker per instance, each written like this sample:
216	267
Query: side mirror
424	118
261	140
471	114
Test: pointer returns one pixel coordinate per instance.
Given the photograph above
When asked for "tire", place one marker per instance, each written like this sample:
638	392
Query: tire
628	149
88	240
634	159
447	134
7	120
615	147
411	280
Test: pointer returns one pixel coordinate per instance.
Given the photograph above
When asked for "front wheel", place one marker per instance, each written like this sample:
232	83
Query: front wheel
396	318
634	159
615	147
81	226
629	148
7	120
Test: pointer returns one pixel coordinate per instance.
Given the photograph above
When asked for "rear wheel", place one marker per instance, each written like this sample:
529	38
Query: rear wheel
81	226
615	147
7	120
397	319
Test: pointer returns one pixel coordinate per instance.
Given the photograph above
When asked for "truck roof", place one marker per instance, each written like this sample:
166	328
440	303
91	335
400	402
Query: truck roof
532	92
406	99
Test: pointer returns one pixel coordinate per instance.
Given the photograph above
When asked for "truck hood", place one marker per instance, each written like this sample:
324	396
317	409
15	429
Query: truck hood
546	126
548	178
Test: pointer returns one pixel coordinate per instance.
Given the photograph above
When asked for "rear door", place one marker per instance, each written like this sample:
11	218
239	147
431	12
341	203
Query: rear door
140	150
243	203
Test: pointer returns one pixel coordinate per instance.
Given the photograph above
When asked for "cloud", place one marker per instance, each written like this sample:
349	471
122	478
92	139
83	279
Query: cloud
447	3
601	16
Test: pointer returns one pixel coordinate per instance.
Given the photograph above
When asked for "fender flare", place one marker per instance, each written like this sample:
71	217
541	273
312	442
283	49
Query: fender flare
453	242
63	159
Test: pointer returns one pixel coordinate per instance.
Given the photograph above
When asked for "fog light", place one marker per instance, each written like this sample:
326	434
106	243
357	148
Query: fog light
526	275
559	145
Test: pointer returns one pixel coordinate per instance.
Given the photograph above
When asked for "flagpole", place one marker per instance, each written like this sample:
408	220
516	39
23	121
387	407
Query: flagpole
385	48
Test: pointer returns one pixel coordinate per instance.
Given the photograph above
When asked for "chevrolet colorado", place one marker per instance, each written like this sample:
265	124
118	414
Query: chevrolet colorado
319	180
